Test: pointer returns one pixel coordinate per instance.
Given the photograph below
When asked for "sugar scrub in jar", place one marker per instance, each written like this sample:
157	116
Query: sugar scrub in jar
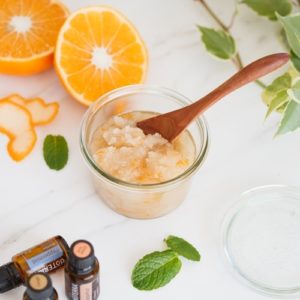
138	175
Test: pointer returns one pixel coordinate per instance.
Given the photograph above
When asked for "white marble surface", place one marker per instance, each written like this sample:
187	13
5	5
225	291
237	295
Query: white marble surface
37	203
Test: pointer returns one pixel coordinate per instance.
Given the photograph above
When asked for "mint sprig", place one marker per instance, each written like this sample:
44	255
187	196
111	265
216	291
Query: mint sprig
56	152
183	248
157	269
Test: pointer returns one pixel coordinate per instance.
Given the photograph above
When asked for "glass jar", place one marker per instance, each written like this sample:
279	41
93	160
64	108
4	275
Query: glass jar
261	240
142	201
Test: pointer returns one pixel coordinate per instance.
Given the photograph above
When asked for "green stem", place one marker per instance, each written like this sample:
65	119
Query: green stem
261	84
237	61
233	17
213	15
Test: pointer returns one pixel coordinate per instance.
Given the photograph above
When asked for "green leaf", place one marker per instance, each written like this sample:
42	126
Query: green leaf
278	101
56	151
282	83
183	248
291	118
291	25
218	42
268	8
295	60
155	270
284	40
294	92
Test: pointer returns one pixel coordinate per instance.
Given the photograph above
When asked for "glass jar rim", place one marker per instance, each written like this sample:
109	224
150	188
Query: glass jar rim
134	89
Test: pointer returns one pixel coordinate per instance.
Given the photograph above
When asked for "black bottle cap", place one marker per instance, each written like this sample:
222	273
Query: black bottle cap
81	258
39	287
10	277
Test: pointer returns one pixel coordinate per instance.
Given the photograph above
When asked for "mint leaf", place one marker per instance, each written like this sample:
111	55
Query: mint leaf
183	248
291	118
155	270
295	60
268	8
291	25
282	83
55	151
218	42
278	101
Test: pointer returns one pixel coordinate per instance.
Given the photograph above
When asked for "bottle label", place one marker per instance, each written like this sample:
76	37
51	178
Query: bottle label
46	261
86	291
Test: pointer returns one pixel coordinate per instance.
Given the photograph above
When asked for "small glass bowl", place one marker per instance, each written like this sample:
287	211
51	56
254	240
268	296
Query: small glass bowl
261	240
140	201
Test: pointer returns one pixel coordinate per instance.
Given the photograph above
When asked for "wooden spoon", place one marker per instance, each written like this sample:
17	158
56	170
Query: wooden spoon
171	124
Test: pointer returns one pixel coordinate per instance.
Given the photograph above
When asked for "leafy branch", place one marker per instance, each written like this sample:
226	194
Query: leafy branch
234	57
283	94
235	13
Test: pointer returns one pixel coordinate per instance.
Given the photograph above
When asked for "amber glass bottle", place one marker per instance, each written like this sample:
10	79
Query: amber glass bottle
39	287
82	272
45	257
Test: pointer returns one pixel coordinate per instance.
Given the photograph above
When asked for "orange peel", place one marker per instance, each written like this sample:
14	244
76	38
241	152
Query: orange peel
16	124
42	113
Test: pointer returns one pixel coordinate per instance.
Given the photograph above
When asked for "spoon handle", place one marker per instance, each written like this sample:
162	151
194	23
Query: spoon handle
171	124
251	72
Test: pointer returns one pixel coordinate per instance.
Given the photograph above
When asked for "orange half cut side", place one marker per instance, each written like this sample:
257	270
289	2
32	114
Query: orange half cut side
28	34
98	50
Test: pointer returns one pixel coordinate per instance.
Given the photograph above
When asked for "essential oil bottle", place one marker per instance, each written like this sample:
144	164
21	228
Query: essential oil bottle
82	272
39	287
45	257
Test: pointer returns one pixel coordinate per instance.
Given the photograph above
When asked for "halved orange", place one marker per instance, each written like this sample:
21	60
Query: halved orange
98	50
28	33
